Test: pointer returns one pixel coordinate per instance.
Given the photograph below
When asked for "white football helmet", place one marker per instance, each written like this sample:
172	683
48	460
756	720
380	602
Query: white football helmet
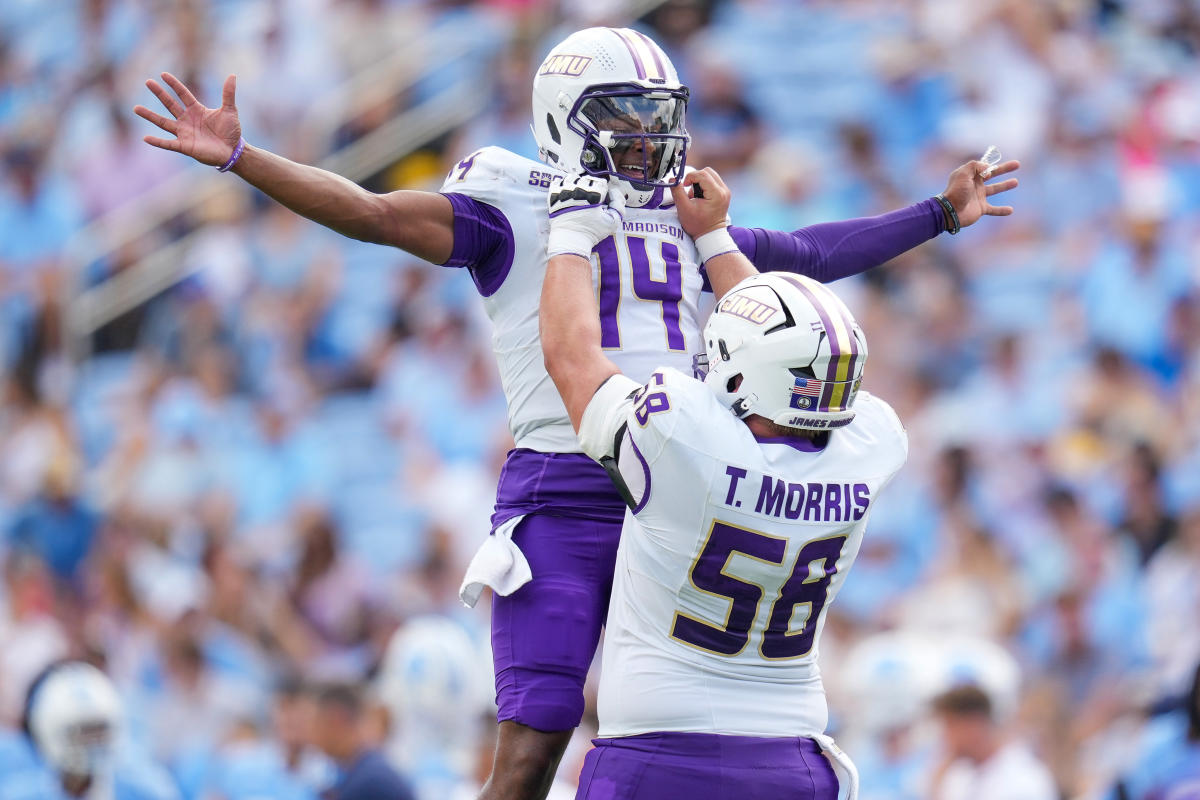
608	102
969	660
436	685
786	348
888	679
72	715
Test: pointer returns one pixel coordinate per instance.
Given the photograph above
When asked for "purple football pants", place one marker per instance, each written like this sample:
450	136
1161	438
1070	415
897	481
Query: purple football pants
705	766
545	634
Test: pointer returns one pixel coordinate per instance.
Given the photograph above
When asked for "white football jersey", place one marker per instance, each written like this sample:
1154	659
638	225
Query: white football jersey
730	556
648	287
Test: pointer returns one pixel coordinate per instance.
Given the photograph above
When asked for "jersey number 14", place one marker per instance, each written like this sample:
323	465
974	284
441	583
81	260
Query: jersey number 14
667	292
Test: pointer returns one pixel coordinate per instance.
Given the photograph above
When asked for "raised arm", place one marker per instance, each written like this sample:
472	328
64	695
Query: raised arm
833	250
569	319
420	222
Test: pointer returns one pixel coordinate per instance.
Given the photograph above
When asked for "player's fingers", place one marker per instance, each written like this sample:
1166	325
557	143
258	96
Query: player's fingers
715	178
703	177
164	97
694	182
710	184
227	92
1006	167
998	211
1002	186
165	144
679	192
1001	169
185	94
168	125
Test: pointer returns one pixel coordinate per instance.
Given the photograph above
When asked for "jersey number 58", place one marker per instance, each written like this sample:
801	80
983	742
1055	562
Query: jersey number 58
805	586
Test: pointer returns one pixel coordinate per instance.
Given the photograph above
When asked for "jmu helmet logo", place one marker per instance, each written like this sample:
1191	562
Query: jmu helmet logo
747	308
571	66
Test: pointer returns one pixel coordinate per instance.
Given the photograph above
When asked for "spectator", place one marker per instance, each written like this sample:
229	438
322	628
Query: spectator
980	762
56	526
292	719
363	772
326	622
1168	765
1063	352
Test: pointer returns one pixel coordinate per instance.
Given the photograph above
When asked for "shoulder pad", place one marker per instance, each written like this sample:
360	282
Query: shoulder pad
669	390
879	421
492	171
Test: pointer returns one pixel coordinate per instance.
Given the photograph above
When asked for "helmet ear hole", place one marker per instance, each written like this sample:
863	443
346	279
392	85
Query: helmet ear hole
554	134
733	383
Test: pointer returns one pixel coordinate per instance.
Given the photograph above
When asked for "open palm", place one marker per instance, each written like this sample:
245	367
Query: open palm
208	135
968	191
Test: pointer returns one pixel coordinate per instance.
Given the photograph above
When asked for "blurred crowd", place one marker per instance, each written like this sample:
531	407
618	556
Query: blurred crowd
272	474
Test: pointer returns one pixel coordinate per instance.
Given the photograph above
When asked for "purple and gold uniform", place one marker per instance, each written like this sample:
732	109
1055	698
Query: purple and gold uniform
558	517
729	558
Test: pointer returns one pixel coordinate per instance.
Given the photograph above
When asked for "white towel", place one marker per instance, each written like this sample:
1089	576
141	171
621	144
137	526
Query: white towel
498	563
839	759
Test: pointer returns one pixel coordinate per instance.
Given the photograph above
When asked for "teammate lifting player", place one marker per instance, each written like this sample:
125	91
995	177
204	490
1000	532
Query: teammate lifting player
609	103
749	495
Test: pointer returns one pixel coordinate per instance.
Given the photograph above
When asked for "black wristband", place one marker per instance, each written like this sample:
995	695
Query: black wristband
953	225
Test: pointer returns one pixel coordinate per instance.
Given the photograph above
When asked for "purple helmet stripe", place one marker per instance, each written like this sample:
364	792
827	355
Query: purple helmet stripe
842	391
653	48
843	401
637	60
834	344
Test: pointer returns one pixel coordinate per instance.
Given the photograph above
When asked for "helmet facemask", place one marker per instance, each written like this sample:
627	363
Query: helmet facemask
633	134
86	747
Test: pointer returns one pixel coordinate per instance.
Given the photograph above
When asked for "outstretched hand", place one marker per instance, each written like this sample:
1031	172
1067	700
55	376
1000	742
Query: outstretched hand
968	193
208	135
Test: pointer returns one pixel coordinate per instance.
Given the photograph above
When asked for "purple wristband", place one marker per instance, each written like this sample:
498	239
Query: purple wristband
237	153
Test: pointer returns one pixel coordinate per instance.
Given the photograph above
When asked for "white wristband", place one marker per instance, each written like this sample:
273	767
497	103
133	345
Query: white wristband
565	240
715	243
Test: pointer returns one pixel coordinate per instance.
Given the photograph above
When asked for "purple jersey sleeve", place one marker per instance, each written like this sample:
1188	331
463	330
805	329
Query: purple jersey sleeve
834	250
483	242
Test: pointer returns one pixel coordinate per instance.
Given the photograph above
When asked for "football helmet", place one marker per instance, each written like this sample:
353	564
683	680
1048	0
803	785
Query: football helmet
607	102
72	716
888	679
786	348
970	660
435	684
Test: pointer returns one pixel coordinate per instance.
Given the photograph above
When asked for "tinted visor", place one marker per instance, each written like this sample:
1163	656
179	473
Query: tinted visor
635	113
642	133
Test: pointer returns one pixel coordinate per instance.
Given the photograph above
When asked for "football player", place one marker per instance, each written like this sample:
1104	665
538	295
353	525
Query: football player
608	103
749	493
72	718
436	687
